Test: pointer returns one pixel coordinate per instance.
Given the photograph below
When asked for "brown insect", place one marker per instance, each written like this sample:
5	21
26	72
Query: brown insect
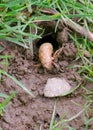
46	55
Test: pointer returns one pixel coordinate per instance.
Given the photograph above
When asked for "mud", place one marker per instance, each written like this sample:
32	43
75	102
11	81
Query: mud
27	113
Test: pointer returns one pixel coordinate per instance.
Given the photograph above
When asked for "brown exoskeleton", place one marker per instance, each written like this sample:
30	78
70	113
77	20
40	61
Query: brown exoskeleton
47	57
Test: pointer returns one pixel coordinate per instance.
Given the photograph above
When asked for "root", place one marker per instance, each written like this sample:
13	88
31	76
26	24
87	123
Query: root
81	30
76	27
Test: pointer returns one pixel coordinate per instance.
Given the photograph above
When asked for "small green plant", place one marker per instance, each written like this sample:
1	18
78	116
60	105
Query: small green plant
83	46
5	61
5	102
87	121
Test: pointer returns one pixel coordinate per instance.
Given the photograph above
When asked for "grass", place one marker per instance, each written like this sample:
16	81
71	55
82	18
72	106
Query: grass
86	68
4	72
18	18
63	123
3	95
86	108
5	61
18	83
5	102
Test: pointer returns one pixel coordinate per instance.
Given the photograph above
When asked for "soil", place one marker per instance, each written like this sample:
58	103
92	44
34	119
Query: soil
28	113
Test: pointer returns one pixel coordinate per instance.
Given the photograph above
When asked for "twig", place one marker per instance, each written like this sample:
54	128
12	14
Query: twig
76	27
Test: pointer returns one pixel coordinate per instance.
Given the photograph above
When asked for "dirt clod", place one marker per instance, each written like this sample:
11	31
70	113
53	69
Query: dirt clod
70	50
62	36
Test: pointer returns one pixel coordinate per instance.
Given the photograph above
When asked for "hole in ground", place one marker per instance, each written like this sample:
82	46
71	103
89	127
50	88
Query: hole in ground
49	38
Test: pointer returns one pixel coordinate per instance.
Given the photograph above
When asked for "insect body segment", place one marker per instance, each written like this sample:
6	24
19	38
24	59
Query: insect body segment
45	55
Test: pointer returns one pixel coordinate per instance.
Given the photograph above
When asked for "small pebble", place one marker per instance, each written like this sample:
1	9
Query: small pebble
56	87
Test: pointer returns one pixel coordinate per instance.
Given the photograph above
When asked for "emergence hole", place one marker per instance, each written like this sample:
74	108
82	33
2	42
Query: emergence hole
48	38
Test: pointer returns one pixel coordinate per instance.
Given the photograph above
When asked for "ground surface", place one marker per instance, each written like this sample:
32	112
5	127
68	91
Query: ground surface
27	113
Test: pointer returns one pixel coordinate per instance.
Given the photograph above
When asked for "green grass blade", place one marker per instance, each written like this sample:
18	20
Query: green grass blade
6	101
52	119
18	83
88	78
87	123
3	95
72	90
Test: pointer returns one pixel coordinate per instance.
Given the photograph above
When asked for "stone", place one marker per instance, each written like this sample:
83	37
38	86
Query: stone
56	87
